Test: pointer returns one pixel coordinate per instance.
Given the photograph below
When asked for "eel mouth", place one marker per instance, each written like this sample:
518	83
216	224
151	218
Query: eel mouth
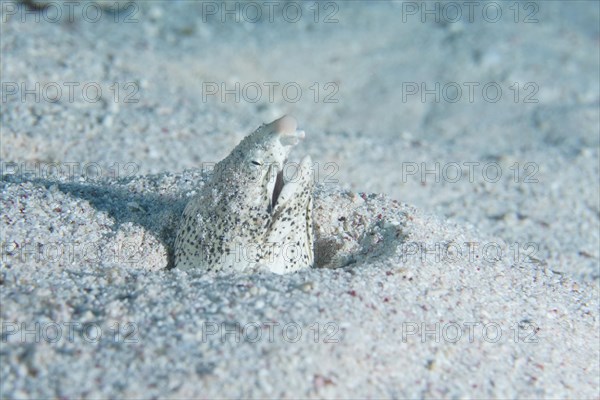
287	128
286	189
279	183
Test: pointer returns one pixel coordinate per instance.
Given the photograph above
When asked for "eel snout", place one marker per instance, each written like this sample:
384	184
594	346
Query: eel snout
287	128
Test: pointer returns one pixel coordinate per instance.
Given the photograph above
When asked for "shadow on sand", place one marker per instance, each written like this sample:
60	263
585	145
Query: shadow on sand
158	214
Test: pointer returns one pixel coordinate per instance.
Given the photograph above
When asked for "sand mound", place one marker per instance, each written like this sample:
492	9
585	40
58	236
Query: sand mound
405	305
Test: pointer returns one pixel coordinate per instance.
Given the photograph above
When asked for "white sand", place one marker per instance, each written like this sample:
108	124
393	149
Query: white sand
393	321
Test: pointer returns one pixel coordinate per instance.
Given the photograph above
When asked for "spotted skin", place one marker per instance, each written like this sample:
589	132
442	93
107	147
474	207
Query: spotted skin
246	218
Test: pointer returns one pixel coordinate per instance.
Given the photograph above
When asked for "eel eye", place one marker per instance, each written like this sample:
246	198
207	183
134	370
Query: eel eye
256	162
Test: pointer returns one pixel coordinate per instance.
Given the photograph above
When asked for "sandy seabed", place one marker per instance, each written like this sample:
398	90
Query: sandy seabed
457	210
